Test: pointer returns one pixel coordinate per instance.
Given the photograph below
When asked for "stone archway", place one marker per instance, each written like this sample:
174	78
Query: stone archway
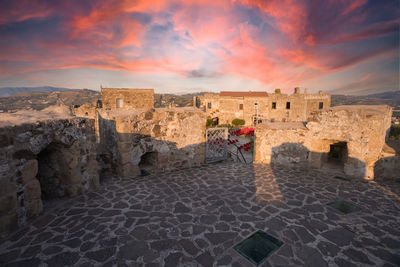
51	171
62	170
337	155
149	161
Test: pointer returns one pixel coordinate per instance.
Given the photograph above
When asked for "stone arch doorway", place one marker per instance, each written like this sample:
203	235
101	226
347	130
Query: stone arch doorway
51	168
337	156
149	162
59	170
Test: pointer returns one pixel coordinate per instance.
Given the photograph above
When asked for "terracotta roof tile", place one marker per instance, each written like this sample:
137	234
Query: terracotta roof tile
242	94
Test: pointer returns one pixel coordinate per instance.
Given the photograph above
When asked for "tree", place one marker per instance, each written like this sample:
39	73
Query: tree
277	91
238	122
209	122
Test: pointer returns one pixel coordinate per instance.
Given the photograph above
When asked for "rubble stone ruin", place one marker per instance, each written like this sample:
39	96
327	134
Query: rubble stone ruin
124	134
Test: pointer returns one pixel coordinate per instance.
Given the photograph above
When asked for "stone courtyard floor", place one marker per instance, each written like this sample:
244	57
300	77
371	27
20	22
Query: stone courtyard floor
194	217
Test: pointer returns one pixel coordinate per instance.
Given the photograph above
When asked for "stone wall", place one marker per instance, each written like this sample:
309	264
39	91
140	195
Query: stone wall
47	159
361	130
271	107
129	98
85	111
388	166
152	139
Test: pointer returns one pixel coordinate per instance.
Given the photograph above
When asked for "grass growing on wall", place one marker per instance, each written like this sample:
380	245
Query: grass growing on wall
394	132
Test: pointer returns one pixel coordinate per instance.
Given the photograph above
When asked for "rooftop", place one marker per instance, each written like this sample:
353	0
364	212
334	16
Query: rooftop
243	94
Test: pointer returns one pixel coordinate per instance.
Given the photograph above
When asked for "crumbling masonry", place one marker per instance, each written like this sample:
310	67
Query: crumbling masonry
65	157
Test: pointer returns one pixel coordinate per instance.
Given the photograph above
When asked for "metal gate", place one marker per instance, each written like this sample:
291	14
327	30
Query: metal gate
216	144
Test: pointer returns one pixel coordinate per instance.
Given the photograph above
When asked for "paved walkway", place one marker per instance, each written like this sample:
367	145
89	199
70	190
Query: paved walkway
194	217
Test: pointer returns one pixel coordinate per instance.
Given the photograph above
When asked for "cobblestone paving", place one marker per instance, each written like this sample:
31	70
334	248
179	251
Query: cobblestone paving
194	217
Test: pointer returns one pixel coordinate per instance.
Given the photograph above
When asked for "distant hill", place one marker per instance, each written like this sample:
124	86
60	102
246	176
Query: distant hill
393	96
185	100
38	100
41	100
9	91
388	98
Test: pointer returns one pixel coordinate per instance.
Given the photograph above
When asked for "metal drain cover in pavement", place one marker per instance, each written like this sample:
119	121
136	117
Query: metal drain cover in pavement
344	206
257	247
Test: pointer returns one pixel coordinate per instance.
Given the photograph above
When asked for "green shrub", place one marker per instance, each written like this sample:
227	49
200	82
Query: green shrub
238	122
277	91
394	133
209	122
226	125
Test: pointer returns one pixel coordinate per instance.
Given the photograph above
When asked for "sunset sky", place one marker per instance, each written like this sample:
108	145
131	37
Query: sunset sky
343	46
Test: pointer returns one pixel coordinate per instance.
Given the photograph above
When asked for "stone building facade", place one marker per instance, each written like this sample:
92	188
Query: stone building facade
349	139
126	99
44	160
261	106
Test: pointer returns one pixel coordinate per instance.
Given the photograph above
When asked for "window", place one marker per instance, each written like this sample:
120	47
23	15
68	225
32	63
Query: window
273	105
120	103
209	104
241	106
321	105
287	105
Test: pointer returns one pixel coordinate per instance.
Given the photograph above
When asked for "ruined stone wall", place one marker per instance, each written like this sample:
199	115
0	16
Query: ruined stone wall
388	166
130	98
56	157
85	111
176	137
281	143
362	128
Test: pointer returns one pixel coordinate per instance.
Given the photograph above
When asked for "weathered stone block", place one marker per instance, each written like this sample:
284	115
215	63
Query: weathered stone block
32	190
124	137
128	171
6	185
73	190
4	140
8	204
29	170
33	207
8	223
72	176
125	158
94	182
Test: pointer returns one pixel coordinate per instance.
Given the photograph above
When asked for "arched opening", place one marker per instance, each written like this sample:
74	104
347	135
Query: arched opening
51	169
337	155
149	161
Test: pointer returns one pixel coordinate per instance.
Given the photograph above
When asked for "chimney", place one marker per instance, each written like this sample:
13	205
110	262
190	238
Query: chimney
320	92
297	90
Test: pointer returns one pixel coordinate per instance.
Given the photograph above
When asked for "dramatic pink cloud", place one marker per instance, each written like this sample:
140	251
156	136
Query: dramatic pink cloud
274	43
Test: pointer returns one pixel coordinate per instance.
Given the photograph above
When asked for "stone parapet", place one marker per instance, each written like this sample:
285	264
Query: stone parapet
153	139
51	158
349	138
